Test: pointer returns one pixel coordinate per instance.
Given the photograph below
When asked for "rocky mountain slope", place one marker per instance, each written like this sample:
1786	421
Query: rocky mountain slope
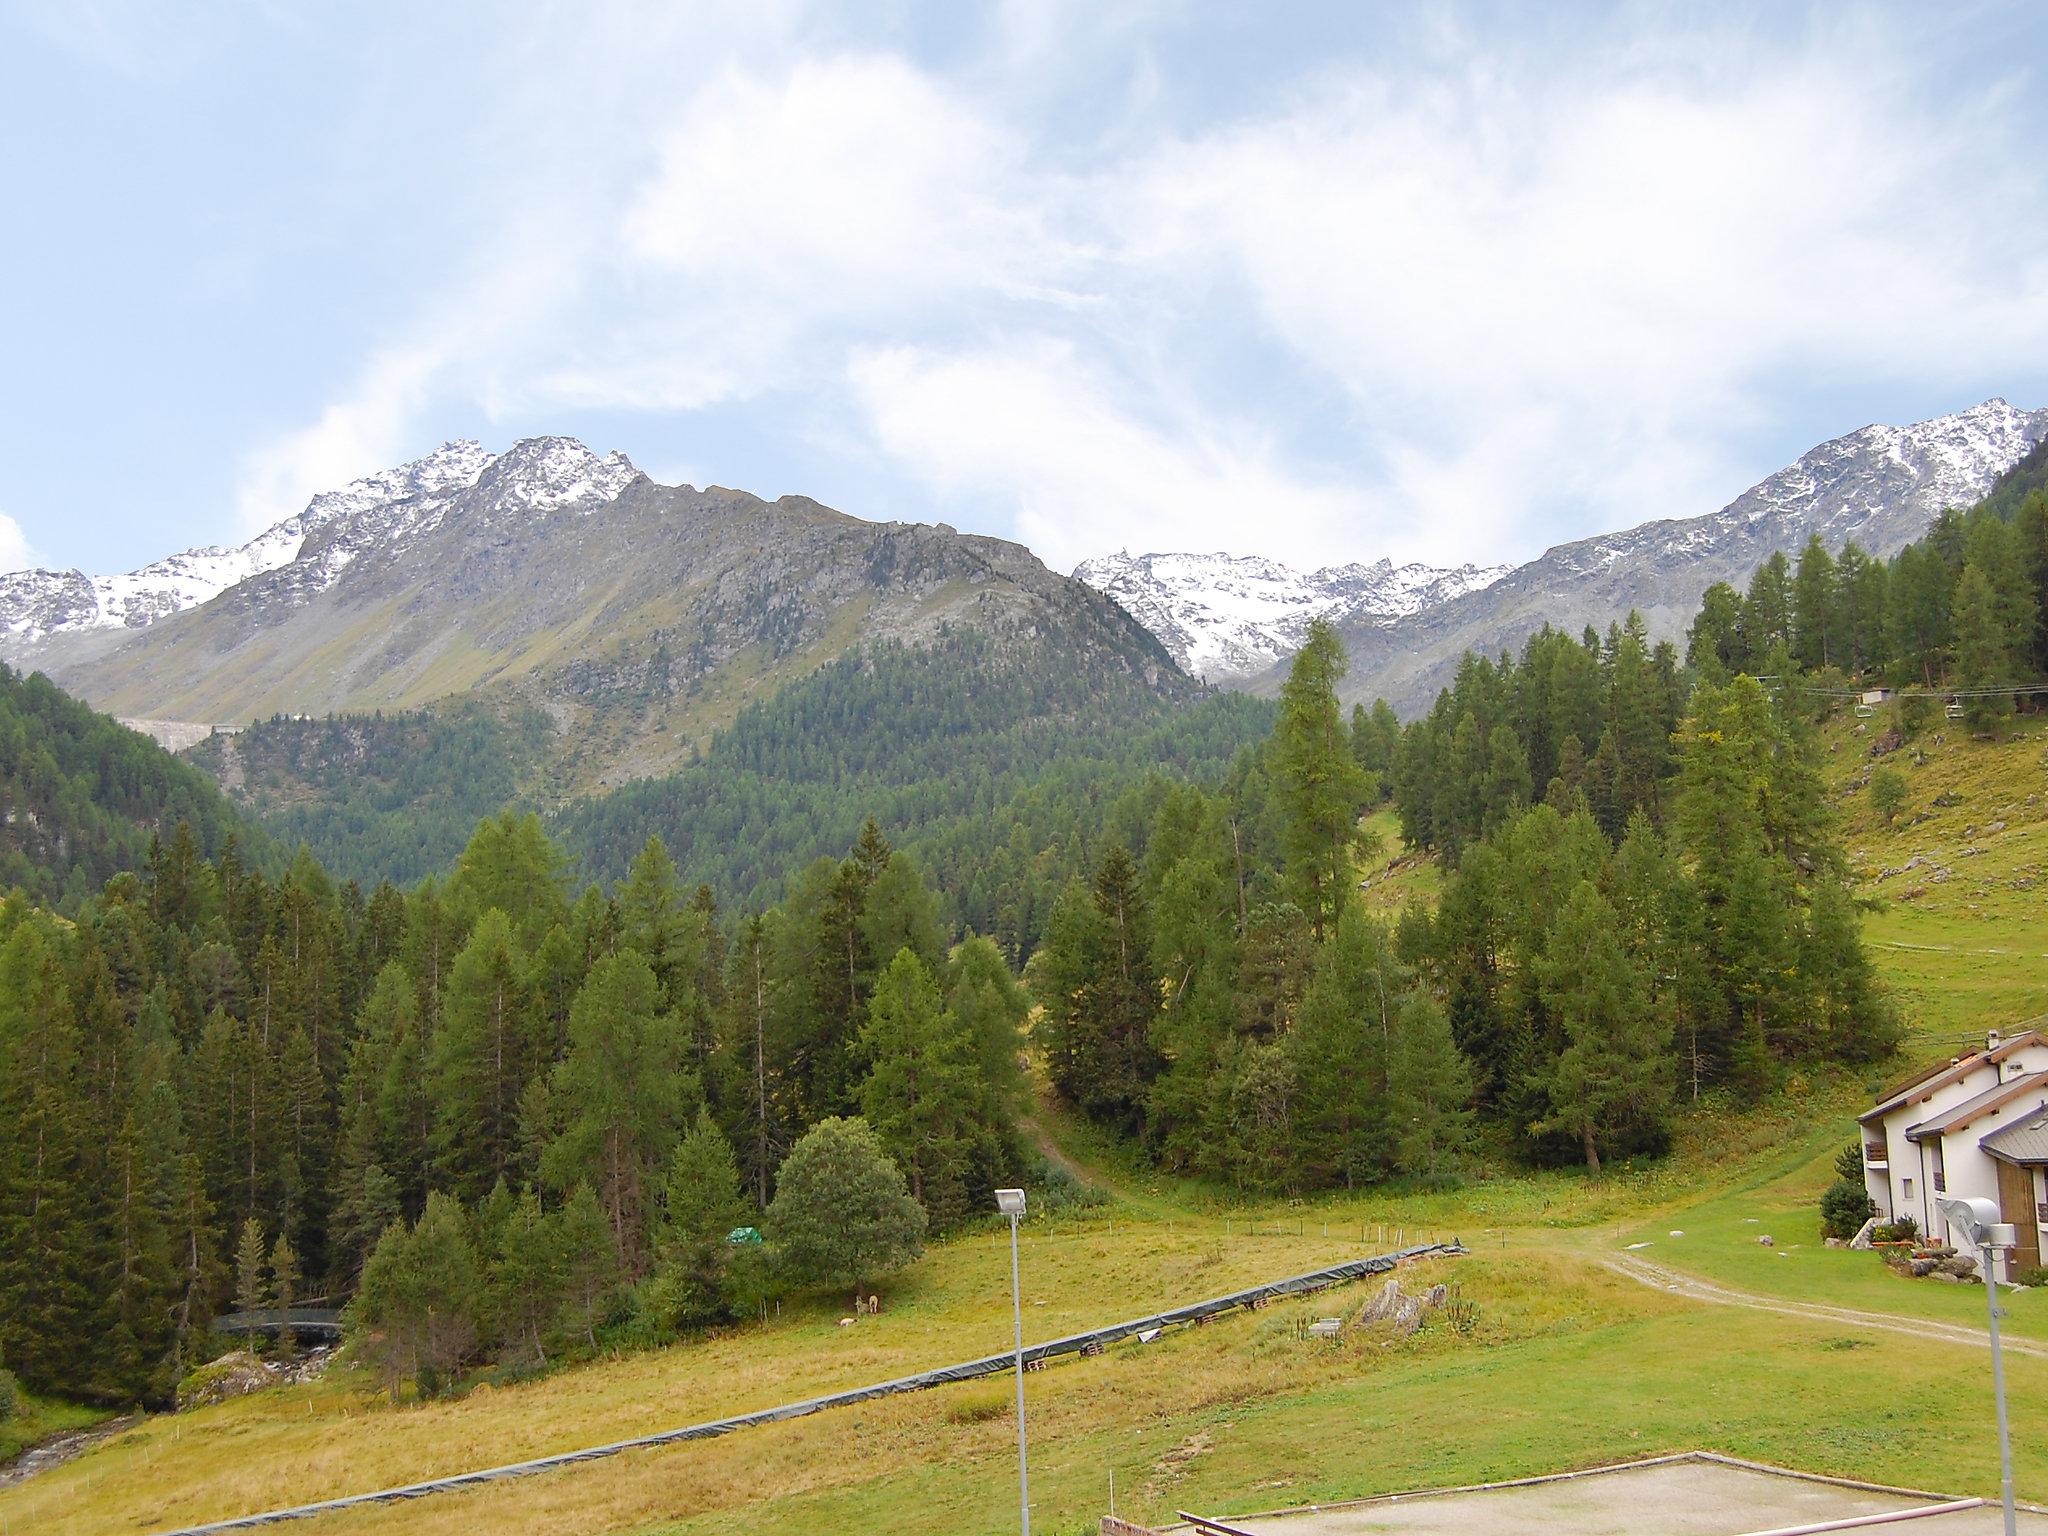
1229	618
637	616
1880	486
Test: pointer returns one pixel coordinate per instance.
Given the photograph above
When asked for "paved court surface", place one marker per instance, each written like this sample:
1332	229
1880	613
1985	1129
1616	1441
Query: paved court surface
1692	1496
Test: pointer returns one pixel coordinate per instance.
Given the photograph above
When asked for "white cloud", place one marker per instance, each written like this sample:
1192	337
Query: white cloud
1455	303
1033	430
15	553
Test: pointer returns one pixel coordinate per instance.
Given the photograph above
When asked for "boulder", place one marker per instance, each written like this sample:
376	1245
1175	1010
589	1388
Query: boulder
1392	1309
233	1375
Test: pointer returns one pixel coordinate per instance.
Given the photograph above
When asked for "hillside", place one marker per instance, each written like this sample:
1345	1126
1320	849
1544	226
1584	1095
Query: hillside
1002	777
380	796
1564	1362
638	617
82	797
1406	630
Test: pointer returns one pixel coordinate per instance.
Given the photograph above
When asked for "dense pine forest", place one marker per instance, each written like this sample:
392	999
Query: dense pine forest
513	1119
79	794
507	1115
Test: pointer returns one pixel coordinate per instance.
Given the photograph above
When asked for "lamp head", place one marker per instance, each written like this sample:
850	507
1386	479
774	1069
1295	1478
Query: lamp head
1975	1219
1010	1202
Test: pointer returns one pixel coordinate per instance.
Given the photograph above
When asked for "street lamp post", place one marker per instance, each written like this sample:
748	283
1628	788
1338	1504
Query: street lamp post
1011	1203
1978	1221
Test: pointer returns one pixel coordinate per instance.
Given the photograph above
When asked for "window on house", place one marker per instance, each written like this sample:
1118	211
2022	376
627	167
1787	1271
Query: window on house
1909	1189
1940	1172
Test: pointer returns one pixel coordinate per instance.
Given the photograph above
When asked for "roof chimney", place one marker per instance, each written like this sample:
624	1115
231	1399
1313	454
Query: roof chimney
1992	1039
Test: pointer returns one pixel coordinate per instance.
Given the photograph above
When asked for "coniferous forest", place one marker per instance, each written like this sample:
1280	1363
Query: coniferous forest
504	1115
506	1118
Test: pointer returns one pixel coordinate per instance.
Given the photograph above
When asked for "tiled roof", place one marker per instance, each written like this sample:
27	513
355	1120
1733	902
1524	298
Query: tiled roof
1974	1108
1938	1078
2025	1141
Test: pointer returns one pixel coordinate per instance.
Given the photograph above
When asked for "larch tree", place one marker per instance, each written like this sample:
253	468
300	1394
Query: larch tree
622	1095
1317	779
483	1054
1429	1090
919	1094
1614	1075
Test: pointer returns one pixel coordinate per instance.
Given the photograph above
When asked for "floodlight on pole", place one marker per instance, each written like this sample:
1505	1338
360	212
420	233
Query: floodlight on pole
1977	1221
1011	1203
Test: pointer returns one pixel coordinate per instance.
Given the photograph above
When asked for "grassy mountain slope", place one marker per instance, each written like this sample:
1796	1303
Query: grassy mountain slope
1564	1363
81	795
639	626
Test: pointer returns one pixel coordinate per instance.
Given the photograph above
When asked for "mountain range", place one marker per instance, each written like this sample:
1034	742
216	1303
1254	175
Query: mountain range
638	617
1231	620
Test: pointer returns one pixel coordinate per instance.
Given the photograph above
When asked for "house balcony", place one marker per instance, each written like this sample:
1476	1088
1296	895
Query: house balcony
1875	1156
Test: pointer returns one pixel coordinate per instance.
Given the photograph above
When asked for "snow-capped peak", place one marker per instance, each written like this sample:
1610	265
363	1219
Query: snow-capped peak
537	475
1228	617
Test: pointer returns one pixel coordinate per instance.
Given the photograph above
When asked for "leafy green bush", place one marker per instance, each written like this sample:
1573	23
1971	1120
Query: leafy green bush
1844	1208
1056	1190
2030	1274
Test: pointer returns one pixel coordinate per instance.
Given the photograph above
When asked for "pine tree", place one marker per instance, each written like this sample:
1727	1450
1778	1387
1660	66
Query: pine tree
47	1252
1429	1090
1984	651
1613	1078
919	1095
622	1094
528	1279
590	1268
1100	997
483	1054
1340	1045
701	1206
1319	785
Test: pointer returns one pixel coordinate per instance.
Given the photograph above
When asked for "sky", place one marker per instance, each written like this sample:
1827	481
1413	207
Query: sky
1319	282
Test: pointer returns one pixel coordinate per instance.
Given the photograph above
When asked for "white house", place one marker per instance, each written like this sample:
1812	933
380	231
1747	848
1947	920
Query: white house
1976	1126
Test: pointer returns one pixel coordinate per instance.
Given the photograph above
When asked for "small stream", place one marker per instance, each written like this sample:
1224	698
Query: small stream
58	1449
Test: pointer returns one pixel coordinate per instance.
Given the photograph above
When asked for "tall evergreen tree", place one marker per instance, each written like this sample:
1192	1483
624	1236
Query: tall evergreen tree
623	1094
1318	783
1429	1090
1613	1079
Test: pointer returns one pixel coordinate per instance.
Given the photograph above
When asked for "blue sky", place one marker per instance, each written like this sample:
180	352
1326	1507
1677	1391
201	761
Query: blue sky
1321	282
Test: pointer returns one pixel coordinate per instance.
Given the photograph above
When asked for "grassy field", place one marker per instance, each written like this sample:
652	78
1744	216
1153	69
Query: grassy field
38	1418
1960	880
1566	1364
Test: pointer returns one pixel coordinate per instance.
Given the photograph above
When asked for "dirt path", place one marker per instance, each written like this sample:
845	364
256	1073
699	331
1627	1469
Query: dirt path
1056	1154
1695	1289
58	1449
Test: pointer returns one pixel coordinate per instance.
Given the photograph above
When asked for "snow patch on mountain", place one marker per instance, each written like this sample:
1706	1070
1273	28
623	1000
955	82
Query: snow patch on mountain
534	477
1228	617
